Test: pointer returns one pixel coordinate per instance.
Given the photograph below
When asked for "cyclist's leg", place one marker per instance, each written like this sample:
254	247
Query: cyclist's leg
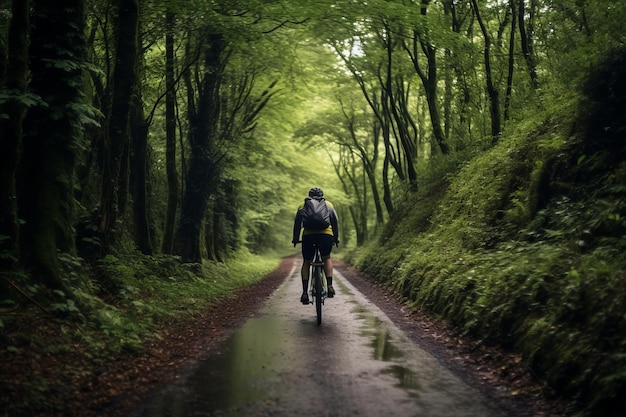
306	270
325	250
308	252
328	266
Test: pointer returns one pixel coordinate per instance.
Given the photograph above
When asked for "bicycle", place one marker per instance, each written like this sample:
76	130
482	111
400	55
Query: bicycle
317	282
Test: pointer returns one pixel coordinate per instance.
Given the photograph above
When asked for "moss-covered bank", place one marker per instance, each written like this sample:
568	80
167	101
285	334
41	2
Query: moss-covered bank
524	245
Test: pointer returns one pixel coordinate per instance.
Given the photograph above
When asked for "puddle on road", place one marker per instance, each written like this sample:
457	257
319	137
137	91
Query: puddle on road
381	342
383	349
226	380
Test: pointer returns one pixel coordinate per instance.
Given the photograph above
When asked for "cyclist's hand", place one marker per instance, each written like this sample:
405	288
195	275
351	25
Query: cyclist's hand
337	243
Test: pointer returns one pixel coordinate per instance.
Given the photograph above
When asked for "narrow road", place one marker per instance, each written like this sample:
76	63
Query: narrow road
280	363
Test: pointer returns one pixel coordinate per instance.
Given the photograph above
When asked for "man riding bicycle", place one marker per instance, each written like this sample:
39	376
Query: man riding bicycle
324	236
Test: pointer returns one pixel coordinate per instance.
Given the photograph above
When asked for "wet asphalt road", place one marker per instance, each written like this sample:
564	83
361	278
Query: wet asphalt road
281	363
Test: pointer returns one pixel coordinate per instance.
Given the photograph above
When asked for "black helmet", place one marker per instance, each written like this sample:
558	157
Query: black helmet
316	192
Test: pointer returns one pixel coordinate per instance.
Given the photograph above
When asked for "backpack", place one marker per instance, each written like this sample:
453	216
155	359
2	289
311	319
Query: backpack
315	214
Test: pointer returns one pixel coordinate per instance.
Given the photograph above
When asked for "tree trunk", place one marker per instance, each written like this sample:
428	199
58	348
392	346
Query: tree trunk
170	137
139	180
430	85
124	78
492	91
391	108
386	187
393	152
369	162
11	128
369	165
526	37
429	80
345	168
202	173
46	199
511	68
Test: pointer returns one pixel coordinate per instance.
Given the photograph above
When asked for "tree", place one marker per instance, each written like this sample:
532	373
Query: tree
115	181
203	158
368	155
526	26
492	90
421	40
53	136
170	136
12	114
395	108
377	97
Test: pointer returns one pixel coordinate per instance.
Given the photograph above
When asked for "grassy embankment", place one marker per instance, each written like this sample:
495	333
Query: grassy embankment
524	246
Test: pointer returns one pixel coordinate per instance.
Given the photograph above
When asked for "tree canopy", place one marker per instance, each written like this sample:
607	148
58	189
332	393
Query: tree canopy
180	99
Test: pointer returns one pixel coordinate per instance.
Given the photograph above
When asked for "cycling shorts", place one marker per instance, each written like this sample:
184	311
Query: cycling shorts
325	241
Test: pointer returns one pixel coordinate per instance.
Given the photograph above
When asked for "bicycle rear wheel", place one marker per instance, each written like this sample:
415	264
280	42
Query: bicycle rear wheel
317	276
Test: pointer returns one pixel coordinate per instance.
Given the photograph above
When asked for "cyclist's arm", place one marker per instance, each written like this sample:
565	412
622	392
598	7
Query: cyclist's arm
297	225
334	223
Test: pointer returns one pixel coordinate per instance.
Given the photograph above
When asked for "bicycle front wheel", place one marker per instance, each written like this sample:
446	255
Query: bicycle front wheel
319	287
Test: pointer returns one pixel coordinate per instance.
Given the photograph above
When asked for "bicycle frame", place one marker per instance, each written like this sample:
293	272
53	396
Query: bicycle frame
318	283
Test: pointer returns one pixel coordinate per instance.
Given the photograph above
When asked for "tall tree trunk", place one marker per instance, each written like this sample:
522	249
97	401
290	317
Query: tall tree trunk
139	179
369	160
386	186
492	91
124	78
46	195
448	95
464	122
202	173
429	80
511	68
393	151
369	164
406	142
526	36
139	167
345	170
430	83
11	128
170	137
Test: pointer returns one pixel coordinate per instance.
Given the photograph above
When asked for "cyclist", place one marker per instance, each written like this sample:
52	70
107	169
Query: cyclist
324	238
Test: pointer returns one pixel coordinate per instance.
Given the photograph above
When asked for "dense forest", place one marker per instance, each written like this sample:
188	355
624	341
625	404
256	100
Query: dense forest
153	153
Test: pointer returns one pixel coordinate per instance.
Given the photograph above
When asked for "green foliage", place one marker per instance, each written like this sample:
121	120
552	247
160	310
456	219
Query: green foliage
25	99
152	290
66	306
